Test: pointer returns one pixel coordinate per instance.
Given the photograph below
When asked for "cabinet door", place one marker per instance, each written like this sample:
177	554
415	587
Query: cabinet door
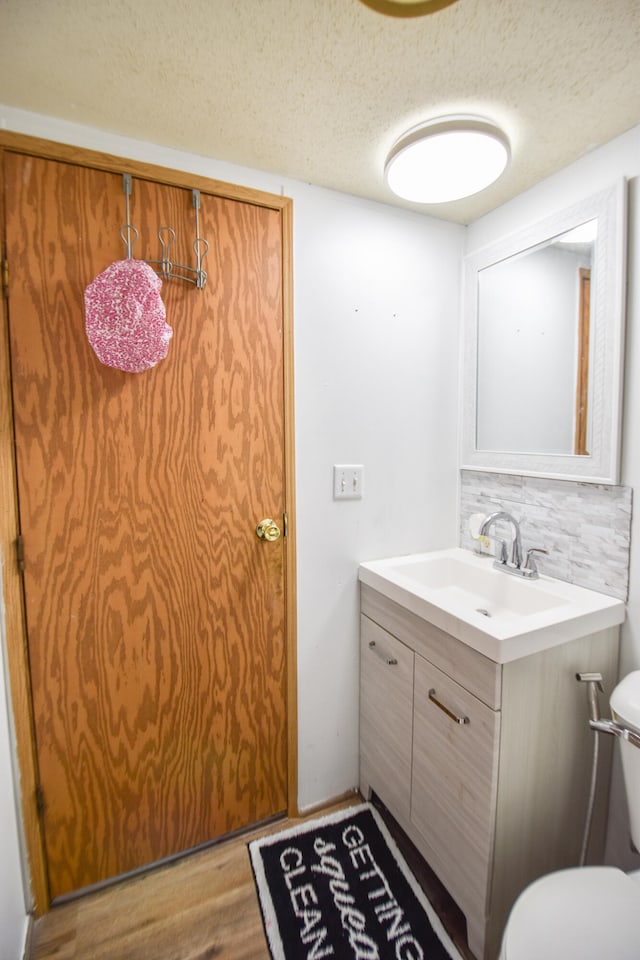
454	782
386	717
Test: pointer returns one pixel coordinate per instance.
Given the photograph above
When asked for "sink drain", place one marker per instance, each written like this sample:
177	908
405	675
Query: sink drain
485	613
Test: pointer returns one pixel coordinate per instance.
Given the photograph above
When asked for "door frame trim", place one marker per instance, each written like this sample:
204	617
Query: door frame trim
19	682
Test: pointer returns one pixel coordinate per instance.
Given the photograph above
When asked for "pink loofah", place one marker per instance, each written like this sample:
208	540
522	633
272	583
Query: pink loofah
125	317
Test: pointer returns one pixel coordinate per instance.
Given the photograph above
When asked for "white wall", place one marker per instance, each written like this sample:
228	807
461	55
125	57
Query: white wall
376	360
376	310
595	171
13	921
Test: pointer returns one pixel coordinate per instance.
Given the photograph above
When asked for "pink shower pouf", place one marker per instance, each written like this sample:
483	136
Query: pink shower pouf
125	318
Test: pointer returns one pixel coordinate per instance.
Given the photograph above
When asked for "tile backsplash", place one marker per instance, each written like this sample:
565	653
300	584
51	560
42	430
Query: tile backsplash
586	527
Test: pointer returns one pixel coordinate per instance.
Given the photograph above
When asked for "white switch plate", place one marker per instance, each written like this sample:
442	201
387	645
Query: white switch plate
348	481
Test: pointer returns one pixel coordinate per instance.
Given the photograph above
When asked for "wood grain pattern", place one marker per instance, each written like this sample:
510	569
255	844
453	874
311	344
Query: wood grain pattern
290	554
97	160
500	802
455	773
545	768
386	717
17	660
155	616
481	676
202	907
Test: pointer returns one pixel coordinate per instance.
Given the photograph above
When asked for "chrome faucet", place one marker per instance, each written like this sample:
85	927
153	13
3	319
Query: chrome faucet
511	563
516	542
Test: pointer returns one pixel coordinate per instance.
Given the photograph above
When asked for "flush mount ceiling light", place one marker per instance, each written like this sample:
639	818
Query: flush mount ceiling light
407	8
446	159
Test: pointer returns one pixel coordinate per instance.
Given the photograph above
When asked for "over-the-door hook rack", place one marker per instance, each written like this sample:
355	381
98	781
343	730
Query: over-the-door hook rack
165	267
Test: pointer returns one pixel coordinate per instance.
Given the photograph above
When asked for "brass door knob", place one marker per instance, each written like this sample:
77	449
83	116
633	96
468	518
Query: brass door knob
268	530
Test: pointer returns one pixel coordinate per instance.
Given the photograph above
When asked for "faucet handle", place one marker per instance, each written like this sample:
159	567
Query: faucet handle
529	568
495	547
500	549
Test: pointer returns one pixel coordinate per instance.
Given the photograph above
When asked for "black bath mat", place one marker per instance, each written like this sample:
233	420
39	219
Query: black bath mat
339	887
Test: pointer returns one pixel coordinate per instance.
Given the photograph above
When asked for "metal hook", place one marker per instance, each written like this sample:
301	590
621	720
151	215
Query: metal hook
166	263
126	230
167	235
201	274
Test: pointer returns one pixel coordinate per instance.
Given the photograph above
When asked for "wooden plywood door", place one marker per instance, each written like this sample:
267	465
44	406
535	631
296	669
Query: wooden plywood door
155	617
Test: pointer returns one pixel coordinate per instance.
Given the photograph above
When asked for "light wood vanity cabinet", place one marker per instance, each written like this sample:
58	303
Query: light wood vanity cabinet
494	802
386	714
461	798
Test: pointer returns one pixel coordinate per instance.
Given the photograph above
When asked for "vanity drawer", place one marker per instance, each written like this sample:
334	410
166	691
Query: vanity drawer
481	676
386	716
454	787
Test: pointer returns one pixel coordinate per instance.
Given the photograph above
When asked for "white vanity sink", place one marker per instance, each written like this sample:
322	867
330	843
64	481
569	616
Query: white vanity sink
499	615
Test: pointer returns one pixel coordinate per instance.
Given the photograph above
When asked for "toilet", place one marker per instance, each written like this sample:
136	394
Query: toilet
587	913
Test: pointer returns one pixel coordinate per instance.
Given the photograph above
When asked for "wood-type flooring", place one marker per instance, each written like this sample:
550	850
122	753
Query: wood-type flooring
202	907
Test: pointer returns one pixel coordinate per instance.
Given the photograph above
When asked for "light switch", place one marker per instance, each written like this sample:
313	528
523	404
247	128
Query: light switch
348	481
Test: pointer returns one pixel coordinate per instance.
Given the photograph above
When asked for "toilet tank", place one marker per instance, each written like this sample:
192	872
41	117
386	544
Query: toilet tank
625	709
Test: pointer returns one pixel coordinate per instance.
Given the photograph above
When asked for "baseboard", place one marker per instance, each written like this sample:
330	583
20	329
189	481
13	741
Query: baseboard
350	796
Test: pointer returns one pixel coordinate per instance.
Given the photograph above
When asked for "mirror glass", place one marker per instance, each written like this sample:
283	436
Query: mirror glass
534	313
543	343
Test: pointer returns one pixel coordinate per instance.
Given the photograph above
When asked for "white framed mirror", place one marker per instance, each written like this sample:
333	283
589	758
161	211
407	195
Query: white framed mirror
543	346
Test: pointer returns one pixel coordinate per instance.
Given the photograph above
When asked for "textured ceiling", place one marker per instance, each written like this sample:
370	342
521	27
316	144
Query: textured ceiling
319	90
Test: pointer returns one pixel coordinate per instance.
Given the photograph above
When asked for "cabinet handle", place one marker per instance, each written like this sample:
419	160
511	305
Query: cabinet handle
390	661
441	706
